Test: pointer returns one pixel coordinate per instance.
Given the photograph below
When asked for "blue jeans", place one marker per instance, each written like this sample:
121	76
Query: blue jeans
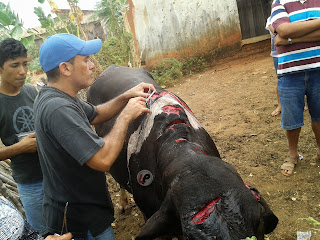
275	63
106	235
31	196
292	90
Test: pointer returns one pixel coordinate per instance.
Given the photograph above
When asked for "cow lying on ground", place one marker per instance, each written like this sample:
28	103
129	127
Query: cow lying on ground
174	171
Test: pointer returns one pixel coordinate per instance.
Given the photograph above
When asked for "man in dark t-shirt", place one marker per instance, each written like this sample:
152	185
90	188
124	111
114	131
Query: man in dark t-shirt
17	130
73	158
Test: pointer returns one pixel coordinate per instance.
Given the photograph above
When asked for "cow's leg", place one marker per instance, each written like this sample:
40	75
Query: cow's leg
164	222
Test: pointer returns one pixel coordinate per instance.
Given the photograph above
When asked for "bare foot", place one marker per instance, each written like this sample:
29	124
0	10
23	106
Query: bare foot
276	112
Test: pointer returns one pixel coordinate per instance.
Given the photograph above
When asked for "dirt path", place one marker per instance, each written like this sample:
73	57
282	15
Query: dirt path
233	100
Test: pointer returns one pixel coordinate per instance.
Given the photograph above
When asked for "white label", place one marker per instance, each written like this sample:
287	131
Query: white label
144	178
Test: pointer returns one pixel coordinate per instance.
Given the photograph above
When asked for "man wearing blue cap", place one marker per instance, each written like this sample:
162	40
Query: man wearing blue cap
73	158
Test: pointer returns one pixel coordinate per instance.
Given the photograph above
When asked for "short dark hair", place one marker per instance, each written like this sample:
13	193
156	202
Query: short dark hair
54	74
11	49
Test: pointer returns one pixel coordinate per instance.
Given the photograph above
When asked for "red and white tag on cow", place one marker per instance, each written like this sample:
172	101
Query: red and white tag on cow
145	178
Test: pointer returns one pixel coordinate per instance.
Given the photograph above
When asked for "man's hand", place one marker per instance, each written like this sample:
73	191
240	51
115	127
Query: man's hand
28	144
66	236
279	41
140	90
135	107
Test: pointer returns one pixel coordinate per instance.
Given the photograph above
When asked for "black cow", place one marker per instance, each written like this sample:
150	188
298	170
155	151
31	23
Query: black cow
174	171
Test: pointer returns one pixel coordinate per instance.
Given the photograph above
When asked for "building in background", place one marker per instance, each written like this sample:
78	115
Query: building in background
176	28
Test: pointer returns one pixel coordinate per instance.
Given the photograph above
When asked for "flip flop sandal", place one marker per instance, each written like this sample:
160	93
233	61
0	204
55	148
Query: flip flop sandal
289	164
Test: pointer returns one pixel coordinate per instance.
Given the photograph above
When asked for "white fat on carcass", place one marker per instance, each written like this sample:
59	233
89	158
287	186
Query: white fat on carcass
140	135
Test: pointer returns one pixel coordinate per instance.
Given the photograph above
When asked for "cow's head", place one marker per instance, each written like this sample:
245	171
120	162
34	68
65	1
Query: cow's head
210	202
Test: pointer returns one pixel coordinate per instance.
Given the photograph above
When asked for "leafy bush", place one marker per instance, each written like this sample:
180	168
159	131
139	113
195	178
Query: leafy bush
193	65
113	51
34	66
33	55
28	79
33	51
167	72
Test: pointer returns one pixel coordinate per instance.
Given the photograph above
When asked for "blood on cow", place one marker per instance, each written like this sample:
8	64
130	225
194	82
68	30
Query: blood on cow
205	212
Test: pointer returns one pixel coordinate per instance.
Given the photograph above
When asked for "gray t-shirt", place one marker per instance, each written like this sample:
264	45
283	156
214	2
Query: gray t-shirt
16	118
66	142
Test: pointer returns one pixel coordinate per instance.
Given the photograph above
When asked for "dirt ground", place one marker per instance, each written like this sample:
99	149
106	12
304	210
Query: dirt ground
233	99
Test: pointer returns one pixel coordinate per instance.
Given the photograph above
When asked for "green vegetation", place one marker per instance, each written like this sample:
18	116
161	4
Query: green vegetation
117	49
11	25
28	80
34	66
169	71
314	222
33	56
193	65
114	51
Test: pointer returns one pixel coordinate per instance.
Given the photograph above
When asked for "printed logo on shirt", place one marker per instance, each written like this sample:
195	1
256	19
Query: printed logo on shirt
23	120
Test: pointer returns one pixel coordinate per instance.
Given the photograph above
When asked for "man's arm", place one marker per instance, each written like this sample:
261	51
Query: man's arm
311	37
297	29
26	145
114	140
108	110
271	28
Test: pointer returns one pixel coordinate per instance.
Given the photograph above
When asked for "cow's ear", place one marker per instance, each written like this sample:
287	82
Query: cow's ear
268	219
162	223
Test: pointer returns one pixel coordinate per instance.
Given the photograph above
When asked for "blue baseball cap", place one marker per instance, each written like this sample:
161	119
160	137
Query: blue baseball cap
62	47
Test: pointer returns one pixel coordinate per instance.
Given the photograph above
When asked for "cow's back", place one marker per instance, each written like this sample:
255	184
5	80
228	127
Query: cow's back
114	81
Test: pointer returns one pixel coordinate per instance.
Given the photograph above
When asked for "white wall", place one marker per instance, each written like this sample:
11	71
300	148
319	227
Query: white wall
168	27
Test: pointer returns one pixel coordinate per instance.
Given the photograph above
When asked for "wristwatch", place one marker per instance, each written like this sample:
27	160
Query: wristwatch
290	41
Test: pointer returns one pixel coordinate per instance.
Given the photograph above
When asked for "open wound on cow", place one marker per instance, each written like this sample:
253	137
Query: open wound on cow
172	109
254	191
205	212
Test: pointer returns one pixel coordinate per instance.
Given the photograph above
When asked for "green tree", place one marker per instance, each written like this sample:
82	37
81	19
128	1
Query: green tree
11	25
63	24
111	13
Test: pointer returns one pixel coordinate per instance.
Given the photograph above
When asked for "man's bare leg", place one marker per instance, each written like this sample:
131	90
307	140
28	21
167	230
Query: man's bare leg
290	162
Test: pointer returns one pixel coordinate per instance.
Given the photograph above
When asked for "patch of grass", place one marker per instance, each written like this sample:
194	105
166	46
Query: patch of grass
167	72
170	70
193	65
314	222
